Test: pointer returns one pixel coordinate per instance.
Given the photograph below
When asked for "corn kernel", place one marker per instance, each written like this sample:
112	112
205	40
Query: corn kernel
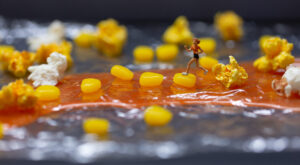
208	62
179	32
90	85
157	116
98	126
47	93
143	54
188	81
84	39
121	72
167	52
150	79
1	131
208	45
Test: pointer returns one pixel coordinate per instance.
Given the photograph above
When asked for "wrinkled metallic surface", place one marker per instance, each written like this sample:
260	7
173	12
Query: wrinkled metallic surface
202	128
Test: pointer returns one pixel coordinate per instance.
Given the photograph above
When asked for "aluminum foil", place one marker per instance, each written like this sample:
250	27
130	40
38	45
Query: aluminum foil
194	129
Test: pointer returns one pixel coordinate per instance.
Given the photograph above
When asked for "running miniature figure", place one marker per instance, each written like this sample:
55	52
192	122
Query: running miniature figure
196	50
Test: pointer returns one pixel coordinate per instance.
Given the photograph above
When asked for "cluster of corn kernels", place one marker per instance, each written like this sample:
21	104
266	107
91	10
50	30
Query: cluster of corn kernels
14	61
109	38
230	75
44	51
277	54
17	94
229	25
179	32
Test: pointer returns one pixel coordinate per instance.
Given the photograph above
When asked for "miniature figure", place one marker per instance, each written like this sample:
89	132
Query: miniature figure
196	50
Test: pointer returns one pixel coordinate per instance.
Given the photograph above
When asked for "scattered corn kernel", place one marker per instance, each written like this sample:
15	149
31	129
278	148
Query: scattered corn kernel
85	39
17	94
47	92
143	54
157	116
166	52
121	72
1	131
110	37
179	32
188	81
150	79
277	55
208	45
229	25
90	85
96	126
63	48
230	75
208	62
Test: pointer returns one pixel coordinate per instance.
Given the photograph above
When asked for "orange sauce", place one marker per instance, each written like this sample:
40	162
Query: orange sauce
257	92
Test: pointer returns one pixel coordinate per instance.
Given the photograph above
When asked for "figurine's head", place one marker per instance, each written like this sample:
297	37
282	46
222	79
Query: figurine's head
196	41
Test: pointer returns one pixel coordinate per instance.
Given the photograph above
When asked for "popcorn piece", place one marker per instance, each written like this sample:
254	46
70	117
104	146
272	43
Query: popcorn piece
85	39
230	75
17	94
262	39
121	72
277	55
90	85
55	34
110	37
63	48
16	62
179	32
47	93
143	53
98	126
150	79
290	82
157	116
166	52
207	62
51	73
229	25
208	45
187	81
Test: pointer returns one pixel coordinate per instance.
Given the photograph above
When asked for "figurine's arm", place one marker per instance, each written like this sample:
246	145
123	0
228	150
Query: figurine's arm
201	51
187	49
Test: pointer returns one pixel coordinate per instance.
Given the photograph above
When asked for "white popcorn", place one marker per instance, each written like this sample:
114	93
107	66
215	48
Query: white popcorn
292	76
55	34
51	73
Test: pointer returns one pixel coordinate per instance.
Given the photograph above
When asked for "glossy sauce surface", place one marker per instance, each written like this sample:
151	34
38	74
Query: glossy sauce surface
257	92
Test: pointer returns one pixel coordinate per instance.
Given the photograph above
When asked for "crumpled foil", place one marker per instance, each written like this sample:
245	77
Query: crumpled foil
194	128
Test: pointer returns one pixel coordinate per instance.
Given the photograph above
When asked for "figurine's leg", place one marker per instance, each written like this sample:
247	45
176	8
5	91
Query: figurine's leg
199	66
188	66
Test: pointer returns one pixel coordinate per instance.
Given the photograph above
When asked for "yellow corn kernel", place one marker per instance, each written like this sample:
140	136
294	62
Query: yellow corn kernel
17	94
166	52
208	45
230	75
98	126
90	85
143	54
188	81
1	131
272	47
157	116
179	32
85	39
263	64
121	72
283	60
47	92
110	37
150	79
208	62
229	25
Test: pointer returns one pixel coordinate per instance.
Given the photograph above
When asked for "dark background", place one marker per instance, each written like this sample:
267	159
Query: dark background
149	10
